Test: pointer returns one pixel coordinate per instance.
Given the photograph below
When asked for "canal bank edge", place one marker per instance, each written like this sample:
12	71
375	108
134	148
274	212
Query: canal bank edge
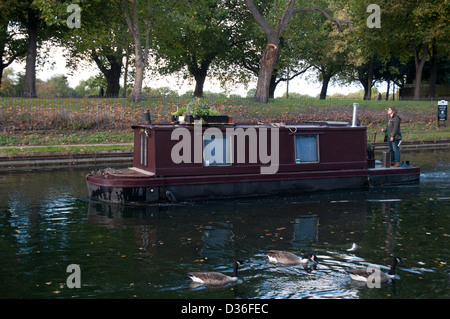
35	161
105	157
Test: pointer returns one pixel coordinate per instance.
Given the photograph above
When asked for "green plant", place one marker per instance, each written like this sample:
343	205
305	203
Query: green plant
180	111
196	107
370	151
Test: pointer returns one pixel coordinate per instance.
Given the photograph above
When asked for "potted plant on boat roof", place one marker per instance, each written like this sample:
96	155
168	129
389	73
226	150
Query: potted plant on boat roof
201	111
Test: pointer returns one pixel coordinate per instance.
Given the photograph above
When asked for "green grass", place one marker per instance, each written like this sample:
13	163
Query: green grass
64	137
65	149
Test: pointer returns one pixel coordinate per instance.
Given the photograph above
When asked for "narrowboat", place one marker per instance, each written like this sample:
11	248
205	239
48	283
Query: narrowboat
195	161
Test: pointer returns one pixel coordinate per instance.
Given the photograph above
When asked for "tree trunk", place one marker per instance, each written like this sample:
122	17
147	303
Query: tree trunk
113	80
30	67
199	83
199	74
325	81
287	84
362	79
270	54
433	71
141	56
267	63
273	86
112	75
387	90
419	63
368	88
136	95
125	76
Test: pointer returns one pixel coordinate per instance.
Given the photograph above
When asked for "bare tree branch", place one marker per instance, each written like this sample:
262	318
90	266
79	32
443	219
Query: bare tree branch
284	79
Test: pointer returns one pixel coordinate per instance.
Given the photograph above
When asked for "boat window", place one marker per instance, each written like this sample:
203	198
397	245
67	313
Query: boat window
217	150
143	149
306	148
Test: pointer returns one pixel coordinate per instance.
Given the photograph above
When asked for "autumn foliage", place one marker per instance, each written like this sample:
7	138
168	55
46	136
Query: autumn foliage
17	114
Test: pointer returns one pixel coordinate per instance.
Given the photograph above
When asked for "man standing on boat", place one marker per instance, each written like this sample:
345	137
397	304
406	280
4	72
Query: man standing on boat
393	136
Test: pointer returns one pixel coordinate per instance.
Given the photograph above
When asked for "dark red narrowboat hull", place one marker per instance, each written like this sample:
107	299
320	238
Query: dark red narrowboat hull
172	163
119	189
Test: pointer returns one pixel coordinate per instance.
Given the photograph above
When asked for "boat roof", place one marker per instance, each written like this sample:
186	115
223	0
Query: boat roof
309	124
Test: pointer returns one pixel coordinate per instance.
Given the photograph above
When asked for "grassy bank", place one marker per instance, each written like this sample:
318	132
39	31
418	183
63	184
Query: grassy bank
18	114
70	121
69	149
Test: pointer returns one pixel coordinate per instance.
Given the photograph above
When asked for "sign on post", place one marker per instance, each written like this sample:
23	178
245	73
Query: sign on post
442	111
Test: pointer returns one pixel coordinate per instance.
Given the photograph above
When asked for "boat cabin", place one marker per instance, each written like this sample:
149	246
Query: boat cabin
181	150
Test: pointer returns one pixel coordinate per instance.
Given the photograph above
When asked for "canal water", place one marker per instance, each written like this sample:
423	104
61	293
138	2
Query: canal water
47	224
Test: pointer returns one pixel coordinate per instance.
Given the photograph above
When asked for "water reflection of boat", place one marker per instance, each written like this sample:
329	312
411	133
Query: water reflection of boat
191	162
305	230
209	230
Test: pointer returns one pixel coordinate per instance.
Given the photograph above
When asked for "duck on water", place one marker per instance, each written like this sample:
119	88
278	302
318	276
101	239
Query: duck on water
369	274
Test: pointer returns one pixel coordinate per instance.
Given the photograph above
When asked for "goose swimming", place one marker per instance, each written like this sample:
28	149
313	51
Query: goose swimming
215	278
287	258
363	274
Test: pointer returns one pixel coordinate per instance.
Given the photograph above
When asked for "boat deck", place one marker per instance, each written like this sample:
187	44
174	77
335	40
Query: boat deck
379	166
130	172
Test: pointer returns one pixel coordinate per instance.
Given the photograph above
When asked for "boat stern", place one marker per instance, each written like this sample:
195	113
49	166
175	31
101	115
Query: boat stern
122	186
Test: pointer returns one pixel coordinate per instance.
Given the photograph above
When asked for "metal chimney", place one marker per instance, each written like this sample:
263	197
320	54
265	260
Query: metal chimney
355	113
147	117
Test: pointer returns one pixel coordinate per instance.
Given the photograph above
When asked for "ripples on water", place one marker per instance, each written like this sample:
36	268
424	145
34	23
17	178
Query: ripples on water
47	223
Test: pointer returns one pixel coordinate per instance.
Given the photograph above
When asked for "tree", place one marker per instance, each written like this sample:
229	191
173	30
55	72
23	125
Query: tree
327	51
409	28
288	66
393	71
56	86
28	17
91	86
9	82
369	42
245	54
100	38
270	54
12	40
368	74
136	25
427	29
103	39
200	38
33	23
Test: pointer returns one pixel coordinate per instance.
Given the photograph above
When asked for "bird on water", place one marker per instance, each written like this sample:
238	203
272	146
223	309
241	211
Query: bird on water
215	278
288	258
364	274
